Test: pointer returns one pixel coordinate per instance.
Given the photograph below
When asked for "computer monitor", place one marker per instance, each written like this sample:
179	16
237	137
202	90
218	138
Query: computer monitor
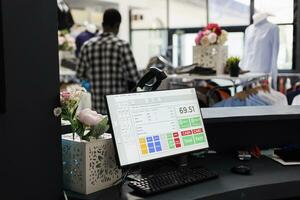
158	124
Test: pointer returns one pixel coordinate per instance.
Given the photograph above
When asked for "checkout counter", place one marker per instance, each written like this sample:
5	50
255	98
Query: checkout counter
228	131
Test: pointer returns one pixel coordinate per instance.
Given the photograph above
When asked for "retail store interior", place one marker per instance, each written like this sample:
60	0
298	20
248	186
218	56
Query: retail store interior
207	85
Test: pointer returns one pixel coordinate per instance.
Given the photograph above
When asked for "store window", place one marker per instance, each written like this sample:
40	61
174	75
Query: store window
148	22
148	43
149	14
229	12
232	15
282	12
285	56
235	44
194	15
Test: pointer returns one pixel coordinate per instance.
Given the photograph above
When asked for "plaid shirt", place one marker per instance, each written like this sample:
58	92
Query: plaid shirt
108	63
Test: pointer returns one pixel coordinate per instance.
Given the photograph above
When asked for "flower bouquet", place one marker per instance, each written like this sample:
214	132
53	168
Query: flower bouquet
65	41
85	123
210	51
88	152
66	45
211	35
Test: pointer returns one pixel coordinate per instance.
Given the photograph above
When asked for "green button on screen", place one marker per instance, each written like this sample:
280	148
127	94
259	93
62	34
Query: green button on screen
184	123
199	138
195	121
188	140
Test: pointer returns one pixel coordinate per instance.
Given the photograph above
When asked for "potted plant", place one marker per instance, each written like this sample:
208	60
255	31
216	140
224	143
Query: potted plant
210	50
88	153
232	66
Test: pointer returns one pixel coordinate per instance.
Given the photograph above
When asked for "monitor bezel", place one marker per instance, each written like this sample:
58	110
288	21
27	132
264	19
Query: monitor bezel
154	159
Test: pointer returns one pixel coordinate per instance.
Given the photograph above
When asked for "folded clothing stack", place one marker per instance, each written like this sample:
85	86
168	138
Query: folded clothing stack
202	71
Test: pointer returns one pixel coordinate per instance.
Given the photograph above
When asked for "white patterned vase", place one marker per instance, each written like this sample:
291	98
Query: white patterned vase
89	166
213	56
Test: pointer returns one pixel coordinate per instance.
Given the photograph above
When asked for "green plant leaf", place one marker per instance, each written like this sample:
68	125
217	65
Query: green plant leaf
87	136
74	112
100	129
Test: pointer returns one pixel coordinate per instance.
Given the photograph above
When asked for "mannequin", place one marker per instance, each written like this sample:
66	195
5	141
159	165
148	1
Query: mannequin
261	47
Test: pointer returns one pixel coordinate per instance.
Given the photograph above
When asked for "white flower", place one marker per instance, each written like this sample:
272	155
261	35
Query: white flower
57	111
223	37
205	41
212	38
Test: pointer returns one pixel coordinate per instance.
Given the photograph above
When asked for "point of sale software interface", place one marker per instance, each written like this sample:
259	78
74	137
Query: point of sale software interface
151	125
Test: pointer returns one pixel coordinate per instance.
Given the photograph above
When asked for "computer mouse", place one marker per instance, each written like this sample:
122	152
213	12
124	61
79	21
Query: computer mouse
241	169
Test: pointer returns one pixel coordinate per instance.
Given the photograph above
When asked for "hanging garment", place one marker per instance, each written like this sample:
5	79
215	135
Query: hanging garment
65	18
291	95
261	49
81	39
259	96
231	102
255	100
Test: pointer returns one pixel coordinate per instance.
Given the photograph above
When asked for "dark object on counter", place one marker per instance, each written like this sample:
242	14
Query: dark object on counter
232	66
241	169
289	154
202	71
195	69
234	72
161	182
69	63
244	155
151	80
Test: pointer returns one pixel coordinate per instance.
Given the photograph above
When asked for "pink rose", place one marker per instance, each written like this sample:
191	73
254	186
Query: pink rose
65	95
205	41
197	40
199	37
206	32
89	117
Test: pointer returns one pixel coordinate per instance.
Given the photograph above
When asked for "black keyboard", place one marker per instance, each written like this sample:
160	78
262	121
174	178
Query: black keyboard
170	180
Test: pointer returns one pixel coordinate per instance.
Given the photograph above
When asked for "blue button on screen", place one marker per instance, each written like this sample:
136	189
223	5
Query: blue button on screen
150	145
151	150
156	138
149	139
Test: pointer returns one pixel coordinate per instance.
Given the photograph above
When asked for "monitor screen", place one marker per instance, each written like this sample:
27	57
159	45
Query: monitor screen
152	125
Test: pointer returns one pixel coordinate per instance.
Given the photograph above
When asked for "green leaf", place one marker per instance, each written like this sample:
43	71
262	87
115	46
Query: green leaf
74	112
100	129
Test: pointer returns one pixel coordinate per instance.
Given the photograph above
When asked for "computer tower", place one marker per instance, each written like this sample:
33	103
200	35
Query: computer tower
2	71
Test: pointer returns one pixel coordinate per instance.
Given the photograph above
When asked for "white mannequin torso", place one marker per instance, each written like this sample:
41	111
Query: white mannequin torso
261	46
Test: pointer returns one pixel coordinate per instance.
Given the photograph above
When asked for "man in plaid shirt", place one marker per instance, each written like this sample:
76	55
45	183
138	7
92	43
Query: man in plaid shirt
107	62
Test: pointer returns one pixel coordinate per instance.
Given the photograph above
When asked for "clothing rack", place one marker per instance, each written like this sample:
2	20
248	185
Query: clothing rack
242	80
